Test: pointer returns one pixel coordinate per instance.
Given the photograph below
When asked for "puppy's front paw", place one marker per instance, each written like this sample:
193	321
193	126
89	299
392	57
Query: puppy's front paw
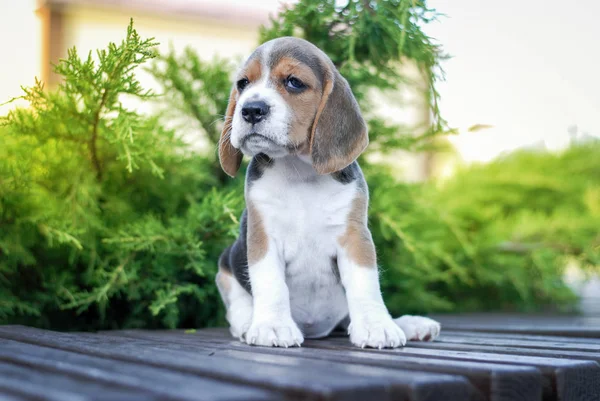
418	328
376	332
275	333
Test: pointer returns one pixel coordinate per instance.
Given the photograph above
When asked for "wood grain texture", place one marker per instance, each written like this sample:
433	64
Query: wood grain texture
522	336
416	384
496	361
492	381
159	382
567	326
29	381
515	349
291	379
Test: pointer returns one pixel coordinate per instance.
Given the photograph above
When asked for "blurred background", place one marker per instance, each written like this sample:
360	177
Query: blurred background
484	166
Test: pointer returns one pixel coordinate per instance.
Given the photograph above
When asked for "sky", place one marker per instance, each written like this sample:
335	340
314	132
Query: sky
529	68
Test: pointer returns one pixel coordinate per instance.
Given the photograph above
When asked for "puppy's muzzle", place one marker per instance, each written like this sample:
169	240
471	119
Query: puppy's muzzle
255	111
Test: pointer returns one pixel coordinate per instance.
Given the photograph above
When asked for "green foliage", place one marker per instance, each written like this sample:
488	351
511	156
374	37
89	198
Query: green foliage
534	201
433	259
195	88
108	219
496	236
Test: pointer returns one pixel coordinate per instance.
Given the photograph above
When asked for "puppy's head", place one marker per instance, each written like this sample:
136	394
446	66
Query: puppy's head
288	98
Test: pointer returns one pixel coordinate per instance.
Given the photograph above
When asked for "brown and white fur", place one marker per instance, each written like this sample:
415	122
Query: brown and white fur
304	262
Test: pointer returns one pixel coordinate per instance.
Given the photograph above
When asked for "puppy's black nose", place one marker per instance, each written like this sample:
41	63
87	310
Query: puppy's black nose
254	111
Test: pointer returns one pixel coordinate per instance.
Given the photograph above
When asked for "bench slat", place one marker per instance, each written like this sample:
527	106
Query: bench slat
5	396
49	386
564	379
161	382
494	381
509	342
415	385
512	350
464	364
586	327
529	337
307	381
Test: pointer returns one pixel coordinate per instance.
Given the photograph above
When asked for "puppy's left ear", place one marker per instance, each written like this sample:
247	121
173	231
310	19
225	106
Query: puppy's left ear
230	157
339	132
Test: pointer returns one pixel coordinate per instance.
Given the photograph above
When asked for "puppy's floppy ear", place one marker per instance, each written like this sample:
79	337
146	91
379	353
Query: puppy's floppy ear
339	133
230	157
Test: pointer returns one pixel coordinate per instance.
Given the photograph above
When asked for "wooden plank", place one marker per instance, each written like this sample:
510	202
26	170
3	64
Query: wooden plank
408	385
49	386
307	381
494	381
12	397
529	337
564	379
582	374
14	387
576	355
587	327
416	385
509	342
499	318
552	330
162	383
298	382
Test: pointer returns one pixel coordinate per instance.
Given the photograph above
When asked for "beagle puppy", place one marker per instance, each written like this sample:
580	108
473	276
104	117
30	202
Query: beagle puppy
304	262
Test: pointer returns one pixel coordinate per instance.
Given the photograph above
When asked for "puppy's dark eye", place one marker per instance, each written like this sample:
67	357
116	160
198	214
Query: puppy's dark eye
293	84
242	83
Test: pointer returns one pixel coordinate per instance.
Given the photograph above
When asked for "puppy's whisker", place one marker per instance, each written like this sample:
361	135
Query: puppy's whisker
224	137
297	172
215	122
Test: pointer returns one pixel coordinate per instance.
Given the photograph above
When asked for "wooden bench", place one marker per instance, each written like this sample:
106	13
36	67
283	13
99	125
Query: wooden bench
478	357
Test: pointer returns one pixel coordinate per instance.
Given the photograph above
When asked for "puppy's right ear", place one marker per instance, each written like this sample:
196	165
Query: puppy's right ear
229	157
339	132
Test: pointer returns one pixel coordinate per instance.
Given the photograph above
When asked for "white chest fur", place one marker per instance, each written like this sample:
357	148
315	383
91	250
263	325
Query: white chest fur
305	214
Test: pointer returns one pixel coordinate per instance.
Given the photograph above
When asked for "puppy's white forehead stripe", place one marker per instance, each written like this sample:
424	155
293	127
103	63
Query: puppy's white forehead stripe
257	88
276	125
265	65
266	51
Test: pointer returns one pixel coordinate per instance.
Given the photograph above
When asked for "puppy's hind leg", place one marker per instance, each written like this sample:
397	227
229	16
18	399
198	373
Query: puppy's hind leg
237	300
418	328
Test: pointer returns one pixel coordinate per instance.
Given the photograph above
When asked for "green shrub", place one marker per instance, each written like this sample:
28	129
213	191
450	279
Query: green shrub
496	236
109	220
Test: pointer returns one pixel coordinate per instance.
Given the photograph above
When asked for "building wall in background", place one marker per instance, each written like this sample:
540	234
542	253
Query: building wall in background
20	40
92	26
407	108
